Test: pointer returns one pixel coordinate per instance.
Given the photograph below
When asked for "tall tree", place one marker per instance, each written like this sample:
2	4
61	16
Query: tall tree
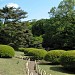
11	14
60	29
13	31
65	8
16	35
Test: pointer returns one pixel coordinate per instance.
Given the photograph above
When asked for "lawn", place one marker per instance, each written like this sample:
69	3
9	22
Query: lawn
12	66
55	70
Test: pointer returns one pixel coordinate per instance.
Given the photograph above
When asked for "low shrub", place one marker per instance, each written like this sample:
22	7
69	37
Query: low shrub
6	51
31	50
53	56
38	54
68	59
21	49
34	53
27	50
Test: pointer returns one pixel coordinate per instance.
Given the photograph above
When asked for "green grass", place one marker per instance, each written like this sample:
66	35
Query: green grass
12	66
55	70
17	53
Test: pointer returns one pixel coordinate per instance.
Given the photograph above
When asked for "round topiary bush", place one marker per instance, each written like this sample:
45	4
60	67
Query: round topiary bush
68	59
37	54
27	50
6	51
53	56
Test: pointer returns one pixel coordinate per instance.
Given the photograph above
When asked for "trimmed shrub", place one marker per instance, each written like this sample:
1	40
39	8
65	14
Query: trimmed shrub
21	49
34	53
38	54
68	59
6	51
27	50
31	50
53	56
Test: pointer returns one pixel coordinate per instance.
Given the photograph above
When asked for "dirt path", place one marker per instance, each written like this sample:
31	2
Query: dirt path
31	67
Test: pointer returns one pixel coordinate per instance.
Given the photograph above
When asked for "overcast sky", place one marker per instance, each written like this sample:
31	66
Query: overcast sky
37	9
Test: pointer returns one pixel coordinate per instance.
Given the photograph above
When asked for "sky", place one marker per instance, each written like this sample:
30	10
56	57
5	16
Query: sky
37	9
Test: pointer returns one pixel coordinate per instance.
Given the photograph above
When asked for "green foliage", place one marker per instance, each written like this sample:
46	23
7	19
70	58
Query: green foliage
65	8
60	28
37	41
54	56
14	32
11	15
6	51
31	50
59	34
21	49
16	35
37	54
38	27
68	59
26	50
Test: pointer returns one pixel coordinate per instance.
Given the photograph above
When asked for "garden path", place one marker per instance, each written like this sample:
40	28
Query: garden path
31	67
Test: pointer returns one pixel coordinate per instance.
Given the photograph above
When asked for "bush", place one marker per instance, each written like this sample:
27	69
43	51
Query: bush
34	53
6	51
68	59
53	56
21	49
27	50
30	51
38	54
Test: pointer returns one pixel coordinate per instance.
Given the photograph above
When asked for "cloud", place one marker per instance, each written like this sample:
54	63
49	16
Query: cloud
12	5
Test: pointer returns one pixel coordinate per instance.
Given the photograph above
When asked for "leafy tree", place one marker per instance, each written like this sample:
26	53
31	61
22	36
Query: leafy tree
37	42
60	29
38	27
65	8
17	35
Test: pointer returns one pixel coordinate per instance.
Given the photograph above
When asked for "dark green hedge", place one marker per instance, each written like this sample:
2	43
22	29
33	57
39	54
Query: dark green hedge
6	51
53	56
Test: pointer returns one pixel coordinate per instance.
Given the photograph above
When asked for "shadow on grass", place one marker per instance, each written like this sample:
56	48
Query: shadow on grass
48	63
61	69
58	68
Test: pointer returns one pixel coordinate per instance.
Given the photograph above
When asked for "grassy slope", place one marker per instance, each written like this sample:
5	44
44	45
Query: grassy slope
55	70
12	66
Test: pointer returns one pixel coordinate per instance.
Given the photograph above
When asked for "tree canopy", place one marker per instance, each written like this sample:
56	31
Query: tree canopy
12	31
11	14
57	32
60	29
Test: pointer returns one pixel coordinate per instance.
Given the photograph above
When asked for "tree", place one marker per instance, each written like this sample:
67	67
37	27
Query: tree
37	42
52	12
16	35
60	29
65	8
11	14
38	27
14	32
